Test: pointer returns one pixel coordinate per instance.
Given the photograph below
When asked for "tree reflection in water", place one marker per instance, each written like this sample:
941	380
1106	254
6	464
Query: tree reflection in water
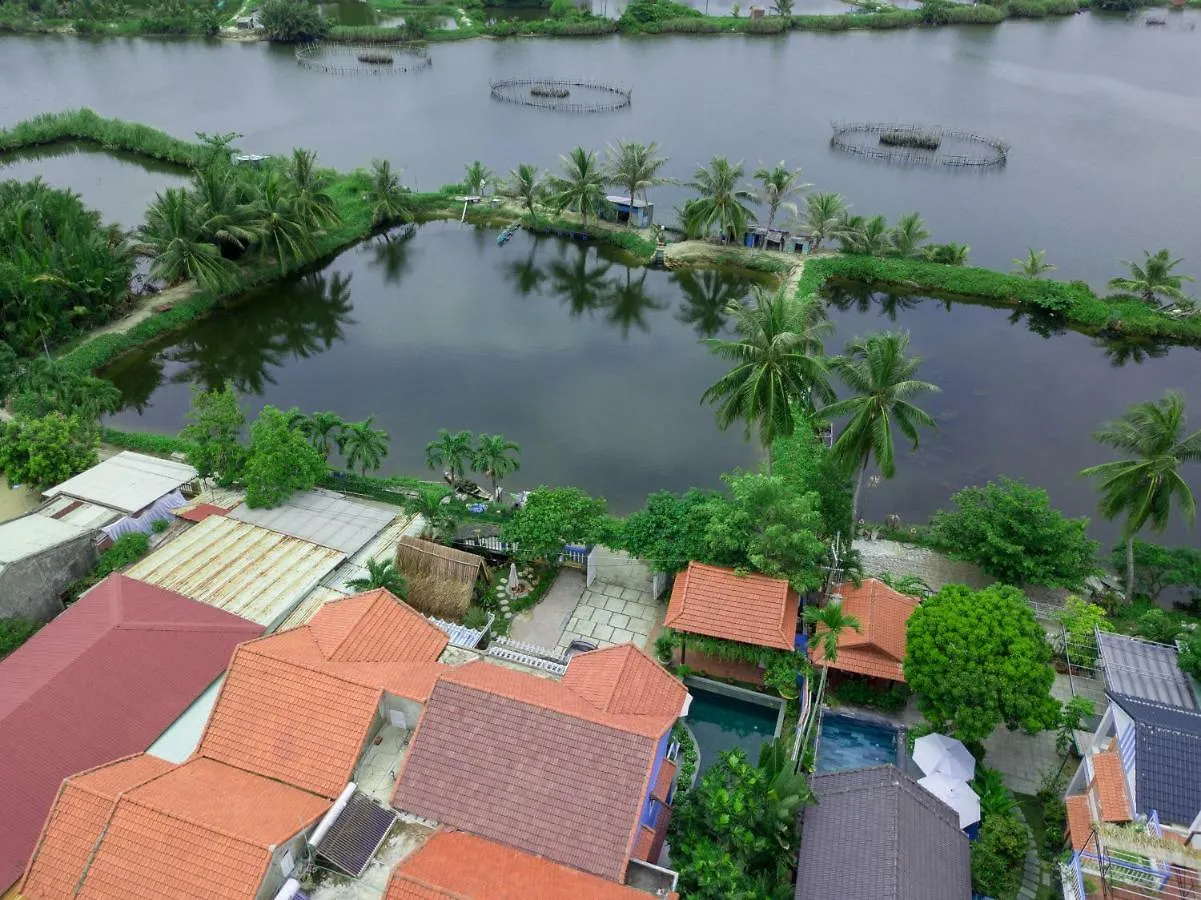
390	252
1120	350
707	293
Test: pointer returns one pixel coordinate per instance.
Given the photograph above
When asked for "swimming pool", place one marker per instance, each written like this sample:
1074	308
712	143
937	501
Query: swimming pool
728	720
848	742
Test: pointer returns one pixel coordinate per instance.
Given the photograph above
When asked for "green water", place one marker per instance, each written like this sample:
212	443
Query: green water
722	723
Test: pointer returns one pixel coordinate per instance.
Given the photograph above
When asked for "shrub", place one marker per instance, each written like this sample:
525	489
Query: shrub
476	617
292	20
160	525
639	14
125	550
142	442
1157	625
1190	654
997	856
45	451
14	633
857	692
1081	620
974	15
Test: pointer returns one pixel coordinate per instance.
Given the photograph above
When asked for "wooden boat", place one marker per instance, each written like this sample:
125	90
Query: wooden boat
504	236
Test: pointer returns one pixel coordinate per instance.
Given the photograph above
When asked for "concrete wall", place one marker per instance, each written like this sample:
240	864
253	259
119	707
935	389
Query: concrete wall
410	709
30	587
275	876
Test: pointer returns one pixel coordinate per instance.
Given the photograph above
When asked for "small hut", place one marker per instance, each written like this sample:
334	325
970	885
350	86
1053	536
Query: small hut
442	580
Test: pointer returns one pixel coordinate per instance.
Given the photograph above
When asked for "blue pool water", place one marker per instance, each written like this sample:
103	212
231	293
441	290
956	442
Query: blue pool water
850	743
722	723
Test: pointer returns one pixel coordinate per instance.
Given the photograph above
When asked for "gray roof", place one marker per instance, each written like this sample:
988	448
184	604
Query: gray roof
32	534
321	517
128	482
877	833
1167	751
1145	670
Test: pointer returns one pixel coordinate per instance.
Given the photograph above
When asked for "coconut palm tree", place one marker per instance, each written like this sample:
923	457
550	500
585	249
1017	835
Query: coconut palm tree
224	218
281	227
880	373
452	449
173	234
867	237
312	202
783	7
388	198
323	430
582	185
381	575
94	397
721	199
526	186
495	457
778	362
634	167
441	519
825	217
833	622
780	184
477	178
1153	279
363	445
908	235
1142	487
1032	265
949	254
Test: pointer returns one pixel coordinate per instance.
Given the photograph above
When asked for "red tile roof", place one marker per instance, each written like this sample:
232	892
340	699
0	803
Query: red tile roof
1110	784
202	511
751	609
878	648
643	842
453	865
1080	820
624	680
101	681
667	775
299	705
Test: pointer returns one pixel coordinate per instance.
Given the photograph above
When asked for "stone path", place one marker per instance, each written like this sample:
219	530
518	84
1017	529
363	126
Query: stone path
1034	873
609	613
544	624
1023	759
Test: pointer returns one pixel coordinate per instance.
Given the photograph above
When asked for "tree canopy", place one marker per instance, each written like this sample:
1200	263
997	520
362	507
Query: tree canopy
292	20
46	451
214	430
280	460
671	529
552	517
1157	568
978	659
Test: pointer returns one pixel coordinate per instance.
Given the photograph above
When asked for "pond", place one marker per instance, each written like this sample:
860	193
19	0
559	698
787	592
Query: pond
721	723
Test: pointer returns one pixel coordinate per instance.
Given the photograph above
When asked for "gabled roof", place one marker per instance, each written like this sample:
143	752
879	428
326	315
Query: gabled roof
417	556
127	482
437	871
1145	670
878	648
1110	784
877	833
299	705
717	602
321	517
100	681
1167	747
624	680
32	534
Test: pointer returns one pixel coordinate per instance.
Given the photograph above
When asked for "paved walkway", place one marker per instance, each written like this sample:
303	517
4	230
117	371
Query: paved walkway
609	613
544	624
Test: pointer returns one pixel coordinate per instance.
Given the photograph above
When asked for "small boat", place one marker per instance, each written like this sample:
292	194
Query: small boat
507	233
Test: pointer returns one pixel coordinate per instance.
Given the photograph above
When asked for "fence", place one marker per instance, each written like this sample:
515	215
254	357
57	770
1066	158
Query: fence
355	59
519	91
987	151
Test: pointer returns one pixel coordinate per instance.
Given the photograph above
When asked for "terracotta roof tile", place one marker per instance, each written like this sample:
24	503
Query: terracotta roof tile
514	758
878	648
624	680
1080	820
667	775
453	865
1110	784
752	609
643	842
376	627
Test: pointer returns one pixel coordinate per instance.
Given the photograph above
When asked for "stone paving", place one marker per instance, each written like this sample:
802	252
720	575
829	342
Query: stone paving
543	625
609	613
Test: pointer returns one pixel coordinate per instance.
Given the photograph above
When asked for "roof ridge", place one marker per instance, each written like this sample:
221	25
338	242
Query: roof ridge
378	594
320	670
210	627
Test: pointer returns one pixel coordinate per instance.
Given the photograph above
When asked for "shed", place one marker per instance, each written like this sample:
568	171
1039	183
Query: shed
442	580
39	557
128	482
321	517
877	649
617	209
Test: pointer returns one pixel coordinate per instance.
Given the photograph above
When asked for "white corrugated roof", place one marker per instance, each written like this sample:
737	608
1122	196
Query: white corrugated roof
252	572
33	534
322	517
79	512
128	482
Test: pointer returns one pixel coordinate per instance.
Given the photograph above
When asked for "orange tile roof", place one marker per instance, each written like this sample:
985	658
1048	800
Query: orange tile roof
623	679
667	774
77	819
751	609
376	627
454	865
1110	784
878	648
643	843
1080	820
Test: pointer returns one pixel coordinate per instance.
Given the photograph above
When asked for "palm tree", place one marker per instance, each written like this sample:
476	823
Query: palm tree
280	226
381	575
526	186
477	177
173	235
908	235
313	204
495	457
881	375
949	254
782	7
1142	487
389	199
868	237
1153	279
94	397
223	216
720	202
1032	265
452	450
833	622
323	430
582	186
363	445
634	167
825	216
778	362
780	184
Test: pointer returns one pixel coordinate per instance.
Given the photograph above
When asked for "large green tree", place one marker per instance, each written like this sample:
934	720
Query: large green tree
778	364
1141	488
880	374
452	449
174	235
46	451
721	204
363	446
495	457
292	20
552	517
280	461
979	659
214	430
1013	533
1153	279
778	186
1157	568
581	187
634	167
672	529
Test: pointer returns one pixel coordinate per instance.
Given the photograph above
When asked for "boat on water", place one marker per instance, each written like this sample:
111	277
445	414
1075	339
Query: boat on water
507	233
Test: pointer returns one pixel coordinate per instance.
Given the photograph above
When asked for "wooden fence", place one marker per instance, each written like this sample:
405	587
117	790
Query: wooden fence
992	151
518	90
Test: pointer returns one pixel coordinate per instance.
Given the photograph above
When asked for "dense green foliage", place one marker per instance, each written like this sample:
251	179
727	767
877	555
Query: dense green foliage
279	460
1157	568
363	446
213	435
382	575
865	692
997	856
806	464
292	20
14	633
41	386
977	659
639	14
671	529
1013	533
1190	654
552	517
124	551
46	451
1081	620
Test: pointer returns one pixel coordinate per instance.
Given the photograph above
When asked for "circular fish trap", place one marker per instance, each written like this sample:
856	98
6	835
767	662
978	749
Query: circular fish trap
362	59
918	145
560	94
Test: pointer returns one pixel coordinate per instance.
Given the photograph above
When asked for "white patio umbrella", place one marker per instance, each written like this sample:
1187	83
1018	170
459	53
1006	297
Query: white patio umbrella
955	794
937	754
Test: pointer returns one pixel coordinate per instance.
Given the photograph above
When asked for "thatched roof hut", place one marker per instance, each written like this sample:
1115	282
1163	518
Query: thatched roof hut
441	579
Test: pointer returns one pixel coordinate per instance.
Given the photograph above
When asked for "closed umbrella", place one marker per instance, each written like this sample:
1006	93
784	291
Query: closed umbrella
955	794
937	754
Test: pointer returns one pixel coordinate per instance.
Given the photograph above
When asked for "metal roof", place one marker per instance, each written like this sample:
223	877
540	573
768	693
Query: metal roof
321	517
127	482
1145	670
1167	751
79	512
32	534
253	572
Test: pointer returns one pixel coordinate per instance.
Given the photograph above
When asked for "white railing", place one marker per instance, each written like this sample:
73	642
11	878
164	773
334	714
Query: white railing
534	662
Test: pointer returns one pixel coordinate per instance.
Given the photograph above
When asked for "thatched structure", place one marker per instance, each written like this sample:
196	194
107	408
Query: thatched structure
441	579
